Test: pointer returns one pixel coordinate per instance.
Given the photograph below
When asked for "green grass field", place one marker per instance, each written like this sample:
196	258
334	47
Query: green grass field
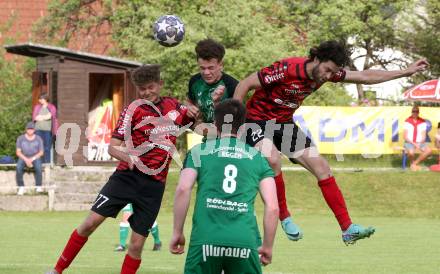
403	206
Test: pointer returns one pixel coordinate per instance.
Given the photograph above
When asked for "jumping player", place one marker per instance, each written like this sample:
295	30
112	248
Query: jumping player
143	141
279	90
211	84
229	175
124	229
209	87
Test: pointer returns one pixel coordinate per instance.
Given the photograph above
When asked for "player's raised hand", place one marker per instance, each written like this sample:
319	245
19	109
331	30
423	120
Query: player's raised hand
419	65
265	255
177	244
218	94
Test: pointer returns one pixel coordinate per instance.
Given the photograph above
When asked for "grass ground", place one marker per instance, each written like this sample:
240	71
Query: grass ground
403	206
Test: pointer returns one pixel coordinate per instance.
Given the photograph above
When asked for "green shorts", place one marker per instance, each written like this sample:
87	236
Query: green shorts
212	259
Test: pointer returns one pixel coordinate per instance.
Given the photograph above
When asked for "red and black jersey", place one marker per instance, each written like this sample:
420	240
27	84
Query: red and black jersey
284	86
150	132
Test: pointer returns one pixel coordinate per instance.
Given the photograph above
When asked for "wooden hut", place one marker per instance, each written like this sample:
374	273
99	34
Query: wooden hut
83	86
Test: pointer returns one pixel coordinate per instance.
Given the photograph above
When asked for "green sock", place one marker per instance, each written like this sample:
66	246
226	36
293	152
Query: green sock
155	232
124	228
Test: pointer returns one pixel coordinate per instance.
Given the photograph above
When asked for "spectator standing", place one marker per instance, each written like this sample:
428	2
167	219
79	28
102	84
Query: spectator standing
44	115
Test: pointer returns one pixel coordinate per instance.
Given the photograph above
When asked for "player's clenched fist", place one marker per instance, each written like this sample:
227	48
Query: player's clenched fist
265	255
177	244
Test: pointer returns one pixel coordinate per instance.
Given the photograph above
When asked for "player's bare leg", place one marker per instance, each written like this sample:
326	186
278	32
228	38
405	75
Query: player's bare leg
310	159
132	259
273	156
76	241
90	224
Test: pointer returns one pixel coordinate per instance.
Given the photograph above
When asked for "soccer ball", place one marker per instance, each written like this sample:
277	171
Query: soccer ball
168	30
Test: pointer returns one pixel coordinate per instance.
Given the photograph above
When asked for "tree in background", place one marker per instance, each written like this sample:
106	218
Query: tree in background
244	27
361	24
420	34
16	101
15	94
255	33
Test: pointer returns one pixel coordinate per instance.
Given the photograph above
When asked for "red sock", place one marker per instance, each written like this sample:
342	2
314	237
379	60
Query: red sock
130	265
281	193
335	201
72	248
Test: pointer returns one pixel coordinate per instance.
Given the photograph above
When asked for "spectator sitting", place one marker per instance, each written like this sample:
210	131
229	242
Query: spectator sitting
29	152
415	136
46	124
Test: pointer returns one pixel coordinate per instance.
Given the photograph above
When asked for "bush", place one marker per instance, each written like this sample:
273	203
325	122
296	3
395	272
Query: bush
16	100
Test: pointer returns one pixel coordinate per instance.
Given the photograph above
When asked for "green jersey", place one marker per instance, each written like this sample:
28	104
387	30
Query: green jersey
228	176
200	92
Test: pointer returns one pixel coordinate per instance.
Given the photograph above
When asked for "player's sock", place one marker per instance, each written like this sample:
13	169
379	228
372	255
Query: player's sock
72	248
281	193
124	228
335	201
130	265
155	232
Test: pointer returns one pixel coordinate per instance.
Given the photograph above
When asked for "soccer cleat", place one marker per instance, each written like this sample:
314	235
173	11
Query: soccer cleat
157	247
356	232
120	248
52	271
293	232
39	190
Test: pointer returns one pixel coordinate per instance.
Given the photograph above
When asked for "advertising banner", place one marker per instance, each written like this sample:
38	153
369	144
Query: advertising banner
356	130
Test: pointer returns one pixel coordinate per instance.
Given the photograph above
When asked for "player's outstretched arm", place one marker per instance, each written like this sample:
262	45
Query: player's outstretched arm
182	199
379	76
245	85
270	220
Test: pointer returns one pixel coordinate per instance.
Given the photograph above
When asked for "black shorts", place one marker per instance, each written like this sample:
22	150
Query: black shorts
137	188
287	137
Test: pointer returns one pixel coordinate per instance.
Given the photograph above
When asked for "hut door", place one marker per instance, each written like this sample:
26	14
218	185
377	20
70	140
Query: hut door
106	97
39	85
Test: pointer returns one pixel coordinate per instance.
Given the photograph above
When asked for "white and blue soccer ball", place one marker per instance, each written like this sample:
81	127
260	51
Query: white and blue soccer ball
169	30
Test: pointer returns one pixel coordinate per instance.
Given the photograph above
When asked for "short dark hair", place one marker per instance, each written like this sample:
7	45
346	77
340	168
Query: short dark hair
44	96
229	107
331	51
438	125
209	48
145	74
